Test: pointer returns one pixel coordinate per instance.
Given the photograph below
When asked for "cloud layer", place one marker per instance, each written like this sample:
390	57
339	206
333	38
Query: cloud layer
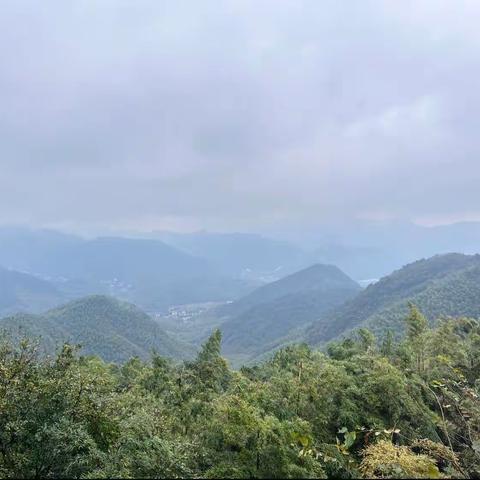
237	114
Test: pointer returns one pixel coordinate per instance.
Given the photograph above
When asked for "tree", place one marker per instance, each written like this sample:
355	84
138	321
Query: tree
387	344
417	326
302	413
210	369
367	339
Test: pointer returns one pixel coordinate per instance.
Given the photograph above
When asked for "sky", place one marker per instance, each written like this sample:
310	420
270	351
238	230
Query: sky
238	114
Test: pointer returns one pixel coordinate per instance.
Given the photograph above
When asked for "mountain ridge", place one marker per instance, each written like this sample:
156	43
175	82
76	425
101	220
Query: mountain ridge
385	302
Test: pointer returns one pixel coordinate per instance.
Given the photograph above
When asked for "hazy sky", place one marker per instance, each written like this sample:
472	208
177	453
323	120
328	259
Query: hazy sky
238	114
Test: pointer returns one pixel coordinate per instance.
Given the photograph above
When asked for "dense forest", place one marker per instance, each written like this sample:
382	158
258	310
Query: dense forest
365	407
441	285
104	326
270	313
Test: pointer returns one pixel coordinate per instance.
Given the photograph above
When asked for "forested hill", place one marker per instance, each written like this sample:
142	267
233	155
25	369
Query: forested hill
102	325
314	278
441	285
272	311
23	292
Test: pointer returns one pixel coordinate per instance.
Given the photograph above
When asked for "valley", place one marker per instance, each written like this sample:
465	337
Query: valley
189	296
166	347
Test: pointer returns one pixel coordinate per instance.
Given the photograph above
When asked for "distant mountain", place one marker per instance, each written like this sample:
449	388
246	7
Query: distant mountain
53	254
150	273
373	249
42	252
362	249
23	292
240	254
126	259
442	285
103	326
147	272
272	311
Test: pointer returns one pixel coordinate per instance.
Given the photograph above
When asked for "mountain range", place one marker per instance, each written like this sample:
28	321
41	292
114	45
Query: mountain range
147	272
443	285
320	303
373	249
363	249
239	254
262	293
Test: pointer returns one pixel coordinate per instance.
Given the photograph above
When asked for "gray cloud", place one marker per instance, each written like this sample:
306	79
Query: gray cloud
238	114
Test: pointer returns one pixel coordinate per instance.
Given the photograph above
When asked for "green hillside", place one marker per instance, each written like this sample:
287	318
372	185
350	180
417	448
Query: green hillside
442	285
102	325
272	311
314	278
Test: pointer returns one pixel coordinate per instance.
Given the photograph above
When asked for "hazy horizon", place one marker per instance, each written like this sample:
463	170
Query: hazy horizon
329	228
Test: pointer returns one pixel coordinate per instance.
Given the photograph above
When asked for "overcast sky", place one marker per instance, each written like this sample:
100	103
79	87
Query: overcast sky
238	114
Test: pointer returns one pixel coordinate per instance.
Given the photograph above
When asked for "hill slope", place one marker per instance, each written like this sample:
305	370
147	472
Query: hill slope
442	285
104	326
23	292
271	312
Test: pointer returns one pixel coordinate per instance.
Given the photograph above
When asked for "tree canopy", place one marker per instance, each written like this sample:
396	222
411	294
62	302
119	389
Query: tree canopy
362	408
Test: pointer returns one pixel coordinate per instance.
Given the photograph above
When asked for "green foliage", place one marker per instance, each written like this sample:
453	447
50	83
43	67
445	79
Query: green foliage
367	339
387	344
444	285
416	323
354	411
252	323
104	326
445	459
384	460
